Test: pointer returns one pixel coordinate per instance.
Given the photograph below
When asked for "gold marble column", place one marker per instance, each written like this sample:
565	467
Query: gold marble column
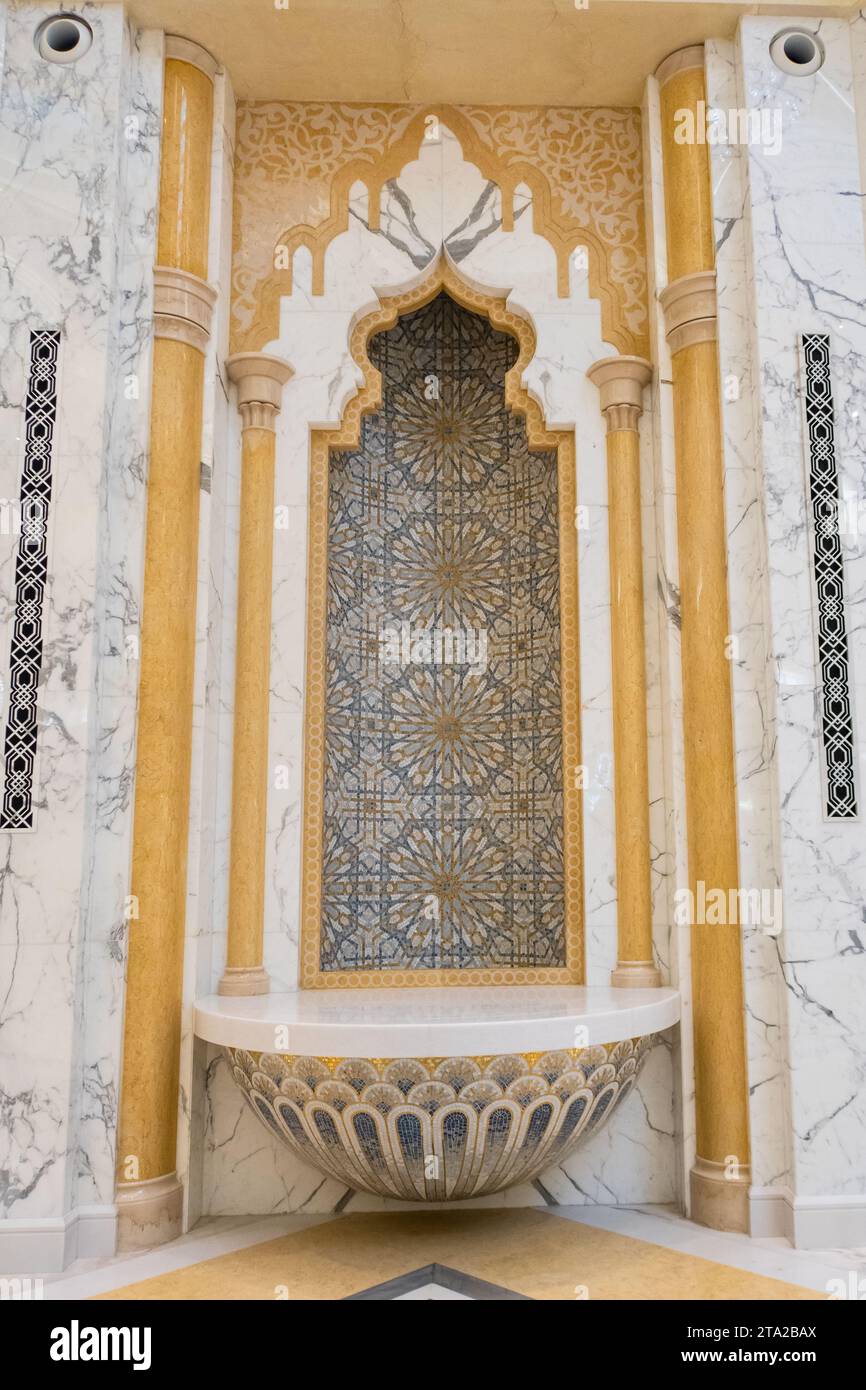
149	1193
720	1177
621	381
260	379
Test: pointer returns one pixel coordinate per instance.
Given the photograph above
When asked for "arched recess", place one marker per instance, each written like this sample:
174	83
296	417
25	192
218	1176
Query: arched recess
347	436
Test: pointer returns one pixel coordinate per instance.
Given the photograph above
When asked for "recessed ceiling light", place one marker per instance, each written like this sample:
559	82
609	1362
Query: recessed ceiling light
64	38
797	52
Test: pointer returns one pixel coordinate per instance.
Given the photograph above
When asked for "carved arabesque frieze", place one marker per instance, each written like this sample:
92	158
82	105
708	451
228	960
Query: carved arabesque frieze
296	163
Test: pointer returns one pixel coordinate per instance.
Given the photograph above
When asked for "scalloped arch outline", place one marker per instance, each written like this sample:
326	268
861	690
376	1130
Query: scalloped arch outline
563	238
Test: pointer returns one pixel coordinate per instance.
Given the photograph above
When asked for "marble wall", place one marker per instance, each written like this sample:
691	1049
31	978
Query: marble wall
79	149
752	678
804	270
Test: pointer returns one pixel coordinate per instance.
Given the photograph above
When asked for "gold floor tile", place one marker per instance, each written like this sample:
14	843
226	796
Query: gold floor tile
533	1253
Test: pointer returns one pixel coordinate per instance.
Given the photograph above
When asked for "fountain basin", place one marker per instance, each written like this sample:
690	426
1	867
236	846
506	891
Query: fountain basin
436	1094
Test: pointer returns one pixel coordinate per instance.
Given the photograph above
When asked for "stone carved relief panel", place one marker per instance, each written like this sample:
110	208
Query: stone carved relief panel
296	163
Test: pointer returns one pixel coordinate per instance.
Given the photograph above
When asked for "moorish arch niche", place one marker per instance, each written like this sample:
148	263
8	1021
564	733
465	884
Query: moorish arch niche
442	816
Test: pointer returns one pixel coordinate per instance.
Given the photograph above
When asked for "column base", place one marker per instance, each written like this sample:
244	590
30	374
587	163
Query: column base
245	979
635	974
720	1202
149	1213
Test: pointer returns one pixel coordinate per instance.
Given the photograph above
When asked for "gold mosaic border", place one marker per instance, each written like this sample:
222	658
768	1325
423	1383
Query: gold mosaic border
640	1044
347	436
502	146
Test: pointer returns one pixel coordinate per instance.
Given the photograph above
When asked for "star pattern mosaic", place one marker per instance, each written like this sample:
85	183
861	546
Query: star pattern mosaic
443	780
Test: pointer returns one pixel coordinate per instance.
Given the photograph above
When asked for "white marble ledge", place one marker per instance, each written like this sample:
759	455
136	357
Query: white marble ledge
436	1022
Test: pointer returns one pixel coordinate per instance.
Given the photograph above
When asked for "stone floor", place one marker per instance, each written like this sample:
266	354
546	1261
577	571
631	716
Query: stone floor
599	1253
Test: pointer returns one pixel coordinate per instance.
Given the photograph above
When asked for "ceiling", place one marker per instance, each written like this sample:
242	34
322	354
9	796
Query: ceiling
490	52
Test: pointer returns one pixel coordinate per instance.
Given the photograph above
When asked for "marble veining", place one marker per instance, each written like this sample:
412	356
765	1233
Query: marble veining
805	258
79	149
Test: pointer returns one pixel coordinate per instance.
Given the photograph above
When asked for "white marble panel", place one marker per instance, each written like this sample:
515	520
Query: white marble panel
748	600
805	252
79	155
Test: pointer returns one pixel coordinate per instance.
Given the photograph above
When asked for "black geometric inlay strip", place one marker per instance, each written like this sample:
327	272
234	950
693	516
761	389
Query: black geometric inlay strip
31	574
446	1278
837	726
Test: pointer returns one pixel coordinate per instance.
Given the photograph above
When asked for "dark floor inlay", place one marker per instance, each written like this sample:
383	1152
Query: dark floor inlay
453	1279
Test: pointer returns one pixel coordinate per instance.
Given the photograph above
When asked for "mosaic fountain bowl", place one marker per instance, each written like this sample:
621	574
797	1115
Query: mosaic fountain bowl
439	1127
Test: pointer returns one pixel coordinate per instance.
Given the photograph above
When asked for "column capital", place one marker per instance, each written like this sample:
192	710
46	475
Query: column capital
187	51
689	307
680	61
260	378
182	306
620	381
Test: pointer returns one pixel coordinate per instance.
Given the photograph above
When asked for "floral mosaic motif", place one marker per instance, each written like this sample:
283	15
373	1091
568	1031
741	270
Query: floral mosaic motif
443	781
438	1128
287	155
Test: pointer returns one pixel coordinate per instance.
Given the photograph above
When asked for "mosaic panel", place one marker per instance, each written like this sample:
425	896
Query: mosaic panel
443	779
837	727
438	1129
31	577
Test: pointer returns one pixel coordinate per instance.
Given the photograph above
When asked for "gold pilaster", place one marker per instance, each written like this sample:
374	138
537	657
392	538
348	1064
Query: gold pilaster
149	1193
720	1177
260	379
621	381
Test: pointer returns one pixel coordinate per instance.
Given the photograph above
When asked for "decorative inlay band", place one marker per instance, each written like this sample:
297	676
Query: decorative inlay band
31	574
837	727
438	1129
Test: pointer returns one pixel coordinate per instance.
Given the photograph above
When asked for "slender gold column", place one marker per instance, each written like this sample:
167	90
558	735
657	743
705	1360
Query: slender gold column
621	381
720	1177
260	380
149	1194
